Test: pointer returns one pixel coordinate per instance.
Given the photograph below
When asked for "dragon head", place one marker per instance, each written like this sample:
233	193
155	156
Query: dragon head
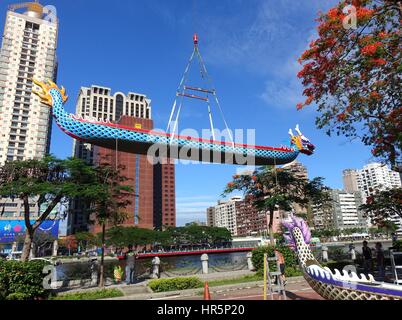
301	142
45	95
300	224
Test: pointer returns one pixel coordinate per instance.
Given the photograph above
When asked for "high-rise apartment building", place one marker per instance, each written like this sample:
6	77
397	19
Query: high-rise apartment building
241	218
28	50
346	213
153	200
98	103
377	177
297	169
211	216
225	214
343	212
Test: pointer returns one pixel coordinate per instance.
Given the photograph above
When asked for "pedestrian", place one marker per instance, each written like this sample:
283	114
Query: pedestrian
130	265
281	261
380	260
367	257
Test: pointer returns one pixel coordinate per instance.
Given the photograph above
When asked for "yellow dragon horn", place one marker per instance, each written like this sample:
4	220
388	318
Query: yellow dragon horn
44	94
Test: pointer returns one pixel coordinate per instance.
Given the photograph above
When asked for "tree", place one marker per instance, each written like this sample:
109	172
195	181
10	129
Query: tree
354	75
383	205
109	200
69	242
47	182
85	239
271	189
388	227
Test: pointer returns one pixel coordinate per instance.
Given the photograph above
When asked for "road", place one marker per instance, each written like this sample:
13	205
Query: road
294	291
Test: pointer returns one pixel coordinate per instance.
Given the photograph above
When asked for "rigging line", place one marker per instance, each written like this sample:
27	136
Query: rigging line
215	96
210	119
182	82
177	119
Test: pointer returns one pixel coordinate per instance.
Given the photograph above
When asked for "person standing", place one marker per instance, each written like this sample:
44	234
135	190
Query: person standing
380	260
367	258
281	261
130	265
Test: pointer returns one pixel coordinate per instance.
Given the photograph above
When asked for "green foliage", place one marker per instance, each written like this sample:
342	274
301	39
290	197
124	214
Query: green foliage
337	264
172	284
270	188
124	236
247	278
397	245
22	280
258	257
90	295
293	271
382	206
18	296
353	76
86	239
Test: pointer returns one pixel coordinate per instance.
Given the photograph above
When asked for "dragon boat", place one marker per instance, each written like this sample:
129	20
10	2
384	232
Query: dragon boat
334	285
159	144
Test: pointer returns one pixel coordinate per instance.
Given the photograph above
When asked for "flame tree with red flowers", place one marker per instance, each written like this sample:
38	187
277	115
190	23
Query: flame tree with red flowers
270	189
352	71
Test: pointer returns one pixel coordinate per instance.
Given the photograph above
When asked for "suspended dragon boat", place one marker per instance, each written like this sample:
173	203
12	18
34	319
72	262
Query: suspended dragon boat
159	144
334	285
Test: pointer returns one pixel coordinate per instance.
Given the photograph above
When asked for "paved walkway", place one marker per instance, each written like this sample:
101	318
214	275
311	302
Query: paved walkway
297	289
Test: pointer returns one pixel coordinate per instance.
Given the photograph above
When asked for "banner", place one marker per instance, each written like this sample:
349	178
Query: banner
10	230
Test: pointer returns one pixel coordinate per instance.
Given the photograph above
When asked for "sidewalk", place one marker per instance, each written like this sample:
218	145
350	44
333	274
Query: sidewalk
141	286
129	295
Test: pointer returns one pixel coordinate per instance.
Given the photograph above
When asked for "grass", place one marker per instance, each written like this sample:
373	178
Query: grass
90	295
247	278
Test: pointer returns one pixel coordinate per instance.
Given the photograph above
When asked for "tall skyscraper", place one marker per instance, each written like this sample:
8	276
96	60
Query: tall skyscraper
153	202
28	50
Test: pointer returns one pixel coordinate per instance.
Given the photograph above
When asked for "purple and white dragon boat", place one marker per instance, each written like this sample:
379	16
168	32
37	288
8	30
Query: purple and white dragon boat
335	285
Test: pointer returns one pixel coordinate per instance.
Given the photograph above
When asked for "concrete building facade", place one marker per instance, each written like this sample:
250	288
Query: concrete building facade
372	178
28	50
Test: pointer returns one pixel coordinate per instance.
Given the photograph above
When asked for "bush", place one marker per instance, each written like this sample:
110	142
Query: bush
163	285
90	295
337	264
397	245
258	257
22	280
293	271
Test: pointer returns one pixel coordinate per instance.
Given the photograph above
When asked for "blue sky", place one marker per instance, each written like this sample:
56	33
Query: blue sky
250	48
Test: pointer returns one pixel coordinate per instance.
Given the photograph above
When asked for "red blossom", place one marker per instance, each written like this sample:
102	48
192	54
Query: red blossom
379	61
341	116
375	95
371	49
364	13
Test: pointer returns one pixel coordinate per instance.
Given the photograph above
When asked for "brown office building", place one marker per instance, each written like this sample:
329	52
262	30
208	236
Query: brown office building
153	198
